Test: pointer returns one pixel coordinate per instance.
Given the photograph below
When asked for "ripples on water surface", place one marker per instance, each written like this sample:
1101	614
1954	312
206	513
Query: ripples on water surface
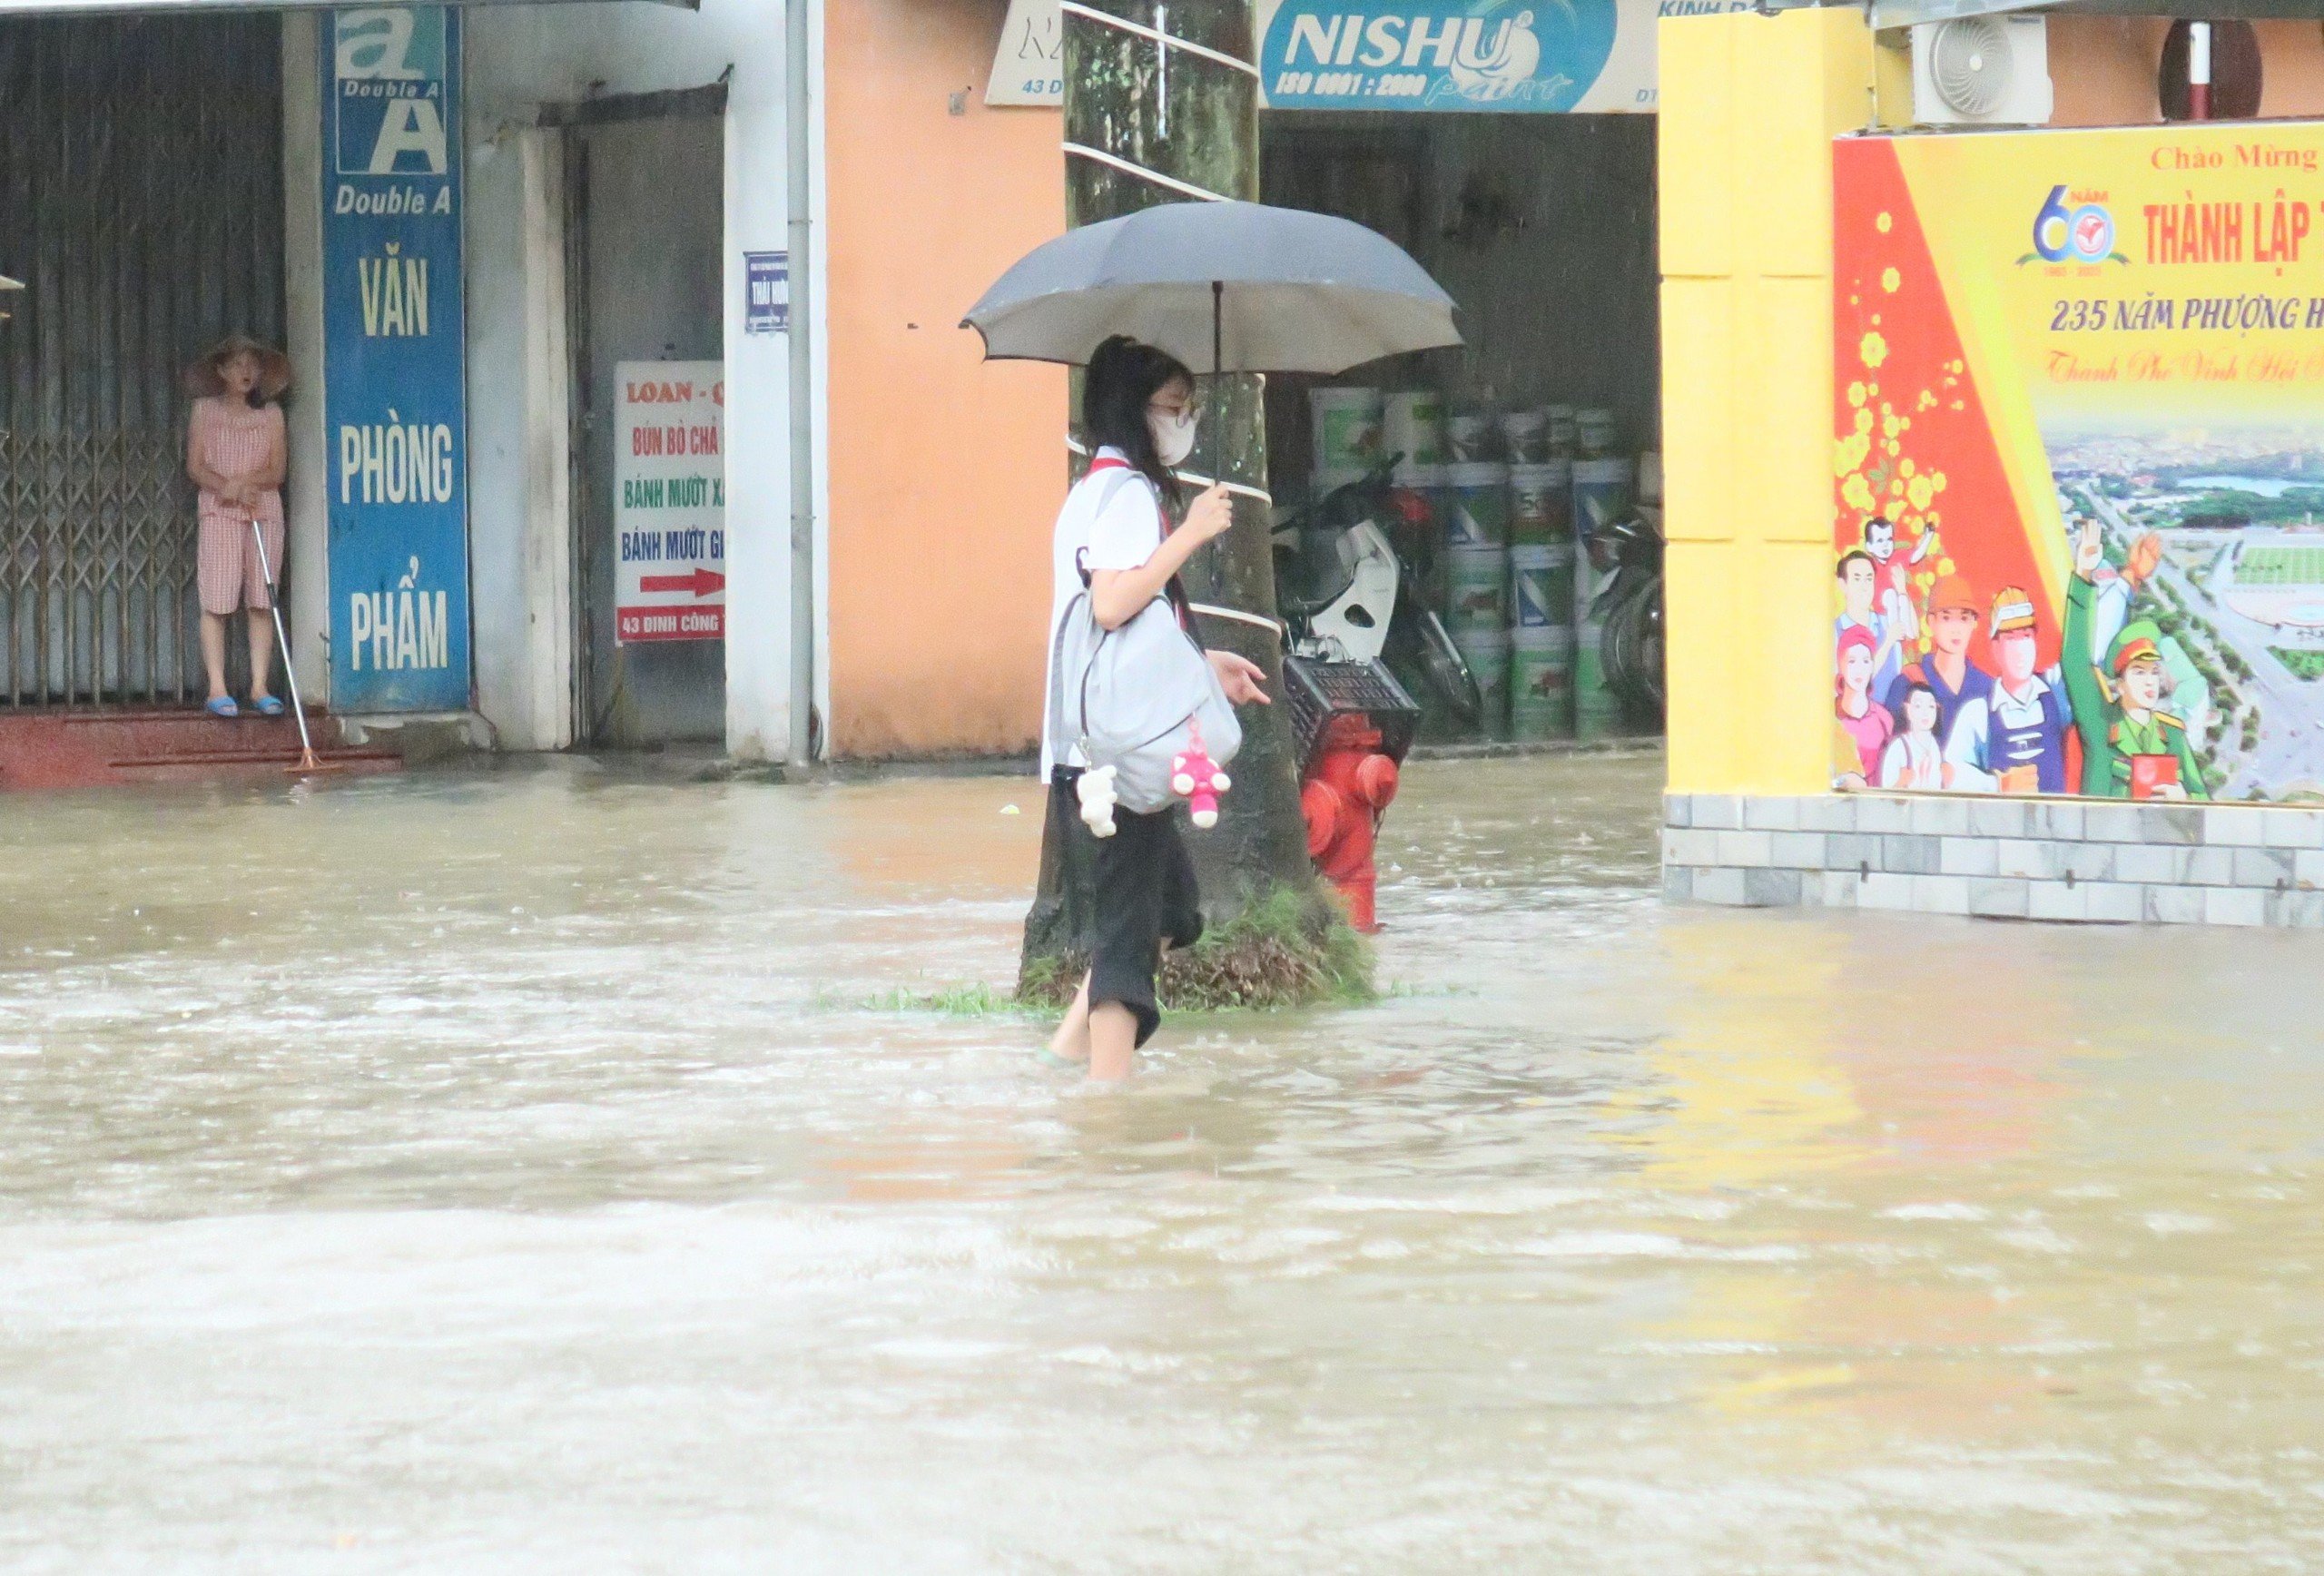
507	1173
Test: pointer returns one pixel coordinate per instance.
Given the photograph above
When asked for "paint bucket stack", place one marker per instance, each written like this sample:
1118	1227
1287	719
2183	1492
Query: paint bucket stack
1516	495
1470	437
1412	426
1346	427
1476	580
1564	430
1603	491
1541	601
1525	437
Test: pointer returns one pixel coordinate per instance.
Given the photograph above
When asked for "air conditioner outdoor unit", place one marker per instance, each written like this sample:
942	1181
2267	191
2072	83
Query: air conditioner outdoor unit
1982	71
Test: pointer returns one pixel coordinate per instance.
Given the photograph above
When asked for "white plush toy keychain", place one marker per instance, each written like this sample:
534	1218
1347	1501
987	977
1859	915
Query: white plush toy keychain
1097	798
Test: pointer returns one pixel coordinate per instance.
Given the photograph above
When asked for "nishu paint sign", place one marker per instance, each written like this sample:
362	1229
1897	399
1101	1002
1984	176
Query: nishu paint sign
2078	462
1491	56
1479	56
395	396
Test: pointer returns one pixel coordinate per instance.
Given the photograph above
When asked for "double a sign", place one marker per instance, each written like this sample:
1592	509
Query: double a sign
394	363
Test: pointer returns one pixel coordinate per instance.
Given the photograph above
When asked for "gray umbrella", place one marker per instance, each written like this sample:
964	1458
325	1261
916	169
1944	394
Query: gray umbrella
1235	287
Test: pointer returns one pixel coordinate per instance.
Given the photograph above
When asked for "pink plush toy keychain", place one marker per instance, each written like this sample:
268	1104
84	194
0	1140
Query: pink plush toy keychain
1198	779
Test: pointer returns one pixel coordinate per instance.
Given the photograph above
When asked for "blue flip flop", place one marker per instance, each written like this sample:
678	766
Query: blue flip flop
223	707
267	706
1055	1063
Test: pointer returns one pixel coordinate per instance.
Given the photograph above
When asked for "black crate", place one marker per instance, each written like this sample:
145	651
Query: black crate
1319	691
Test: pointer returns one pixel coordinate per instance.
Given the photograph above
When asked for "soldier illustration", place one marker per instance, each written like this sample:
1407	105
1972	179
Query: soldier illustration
2130	747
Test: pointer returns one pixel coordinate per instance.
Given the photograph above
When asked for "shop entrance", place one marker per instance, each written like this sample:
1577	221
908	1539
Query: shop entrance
645	184
141	204
1528	456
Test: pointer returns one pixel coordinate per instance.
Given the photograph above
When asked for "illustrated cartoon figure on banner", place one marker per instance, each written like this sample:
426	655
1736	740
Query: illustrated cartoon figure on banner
1915	756
1866	722
2130	747
2015	740
1947	673
1892	590
1859	578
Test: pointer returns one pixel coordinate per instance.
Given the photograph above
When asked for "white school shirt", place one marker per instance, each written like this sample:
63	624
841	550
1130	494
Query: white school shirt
1123	537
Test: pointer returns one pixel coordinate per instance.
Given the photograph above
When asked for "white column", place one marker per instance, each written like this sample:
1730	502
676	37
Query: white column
758	416
549	474
306	496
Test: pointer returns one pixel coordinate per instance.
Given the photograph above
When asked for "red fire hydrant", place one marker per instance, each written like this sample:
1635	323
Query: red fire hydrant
1344	798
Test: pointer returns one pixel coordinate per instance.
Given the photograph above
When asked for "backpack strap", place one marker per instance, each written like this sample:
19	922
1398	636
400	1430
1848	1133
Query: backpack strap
1056	723
1117	474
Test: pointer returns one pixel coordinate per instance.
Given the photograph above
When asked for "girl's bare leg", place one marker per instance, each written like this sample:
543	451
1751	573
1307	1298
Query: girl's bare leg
260	633
1113	1042
1113	1033
213	653
1071	1040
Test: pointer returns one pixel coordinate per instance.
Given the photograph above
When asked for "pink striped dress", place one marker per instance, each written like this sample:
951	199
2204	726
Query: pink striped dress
234	440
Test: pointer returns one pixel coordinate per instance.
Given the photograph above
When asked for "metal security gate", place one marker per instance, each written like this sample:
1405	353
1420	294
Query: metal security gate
141	203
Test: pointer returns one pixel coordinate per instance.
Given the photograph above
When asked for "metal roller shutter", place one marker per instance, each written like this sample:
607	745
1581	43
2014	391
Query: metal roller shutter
141	203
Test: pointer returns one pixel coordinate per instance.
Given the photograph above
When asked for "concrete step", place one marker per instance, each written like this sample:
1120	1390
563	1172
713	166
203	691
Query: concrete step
249	765
82	748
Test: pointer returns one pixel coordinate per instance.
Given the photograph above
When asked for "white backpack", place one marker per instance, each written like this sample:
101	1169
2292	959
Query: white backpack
1135	697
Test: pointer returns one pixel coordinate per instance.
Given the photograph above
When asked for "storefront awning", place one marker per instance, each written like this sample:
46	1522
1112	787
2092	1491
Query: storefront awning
185	7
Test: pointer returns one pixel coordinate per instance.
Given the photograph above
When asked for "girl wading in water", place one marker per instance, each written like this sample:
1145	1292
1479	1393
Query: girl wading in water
235	453
1137	417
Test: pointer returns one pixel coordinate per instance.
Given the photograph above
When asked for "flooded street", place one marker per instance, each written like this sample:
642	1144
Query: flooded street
550	1170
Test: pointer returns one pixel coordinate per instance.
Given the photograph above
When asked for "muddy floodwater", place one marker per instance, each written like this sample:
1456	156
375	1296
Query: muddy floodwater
553	1170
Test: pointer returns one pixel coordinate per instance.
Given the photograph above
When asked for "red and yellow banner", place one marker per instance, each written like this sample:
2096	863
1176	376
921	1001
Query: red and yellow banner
2079	461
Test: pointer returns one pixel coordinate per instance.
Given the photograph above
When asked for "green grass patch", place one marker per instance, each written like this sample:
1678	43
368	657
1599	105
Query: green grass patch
950	1001
2306	665
1291	949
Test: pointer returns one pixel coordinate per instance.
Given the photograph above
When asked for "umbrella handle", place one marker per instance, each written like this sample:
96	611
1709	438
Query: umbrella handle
1217	380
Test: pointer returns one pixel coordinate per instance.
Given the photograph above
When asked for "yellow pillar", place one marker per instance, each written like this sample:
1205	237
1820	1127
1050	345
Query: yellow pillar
1749	106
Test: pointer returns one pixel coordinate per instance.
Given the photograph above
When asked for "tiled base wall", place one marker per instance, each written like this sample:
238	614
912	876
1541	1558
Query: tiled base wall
2024	859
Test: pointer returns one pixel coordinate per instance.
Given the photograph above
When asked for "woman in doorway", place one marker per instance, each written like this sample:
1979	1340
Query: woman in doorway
236	453
1138	415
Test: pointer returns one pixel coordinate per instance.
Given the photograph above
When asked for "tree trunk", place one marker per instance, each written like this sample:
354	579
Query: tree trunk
1195	121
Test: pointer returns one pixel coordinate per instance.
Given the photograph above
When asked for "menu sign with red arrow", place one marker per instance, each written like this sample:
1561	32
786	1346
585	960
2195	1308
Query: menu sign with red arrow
670	501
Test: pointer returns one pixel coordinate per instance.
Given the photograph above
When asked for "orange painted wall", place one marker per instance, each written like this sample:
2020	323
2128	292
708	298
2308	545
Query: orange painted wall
945	474
2102	69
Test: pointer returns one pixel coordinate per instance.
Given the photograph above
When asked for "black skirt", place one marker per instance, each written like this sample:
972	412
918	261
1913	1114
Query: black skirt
1146	898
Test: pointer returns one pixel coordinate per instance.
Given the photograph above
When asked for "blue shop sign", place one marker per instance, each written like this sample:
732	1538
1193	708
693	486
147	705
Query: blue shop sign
1505	56
395	375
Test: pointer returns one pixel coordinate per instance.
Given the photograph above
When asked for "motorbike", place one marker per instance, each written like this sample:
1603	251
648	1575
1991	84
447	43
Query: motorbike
1348	592
1629	610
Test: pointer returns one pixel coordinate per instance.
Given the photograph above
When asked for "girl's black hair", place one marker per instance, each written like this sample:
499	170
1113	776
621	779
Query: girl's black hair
1915	687
1123	376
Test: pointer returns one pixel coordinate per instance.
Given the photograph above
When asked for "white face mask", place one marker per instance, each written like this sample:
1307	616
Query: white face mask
1174	435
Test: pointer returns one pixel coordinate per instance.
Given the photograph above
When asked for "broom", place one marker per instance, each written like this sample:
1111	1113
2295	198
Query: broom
307	762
